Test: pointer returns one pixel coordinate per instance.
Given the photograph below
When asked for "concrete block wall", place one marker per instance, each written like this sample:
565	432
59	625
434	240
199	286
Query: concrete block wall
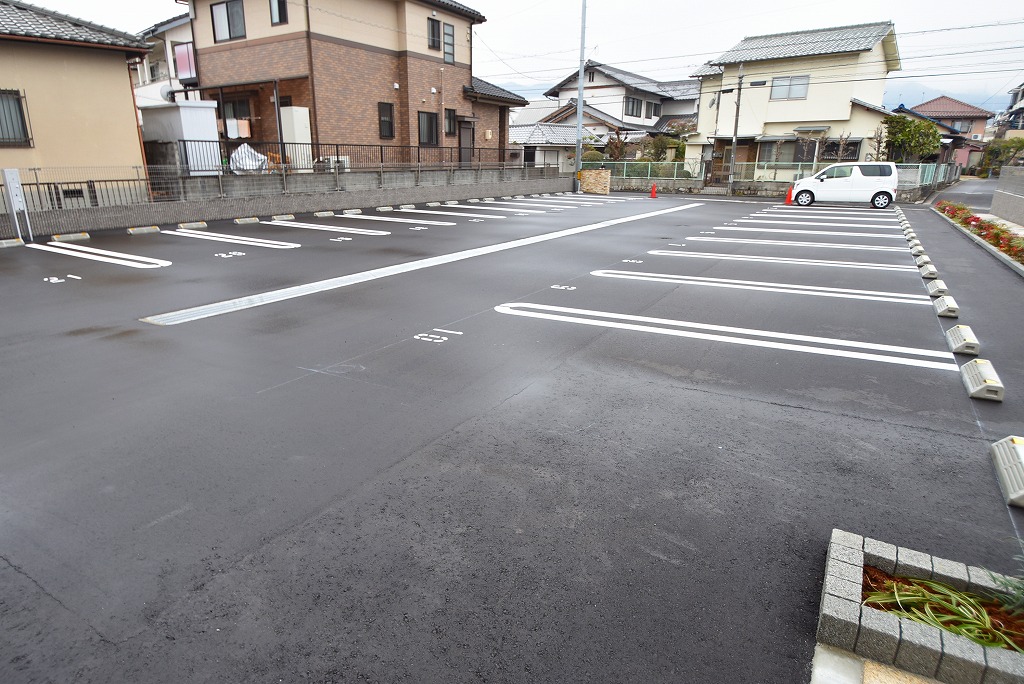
1008	200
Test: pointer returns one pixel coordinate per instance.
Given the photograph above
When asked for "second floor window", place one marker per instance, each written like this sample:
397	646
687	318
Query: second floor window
386	114
278	12
790	87
184	60
963	126
433	34
449	44
428	129
449	121
228	20
634	107
653	110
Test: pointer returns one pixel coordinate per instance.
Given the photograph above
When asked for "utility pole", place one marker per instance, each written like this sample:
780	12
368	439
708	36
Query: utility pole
579	97
735	129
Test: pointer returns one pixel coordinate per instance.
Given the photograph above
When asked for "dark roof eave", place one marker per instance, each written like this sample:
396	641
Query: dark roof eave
467	12
129	51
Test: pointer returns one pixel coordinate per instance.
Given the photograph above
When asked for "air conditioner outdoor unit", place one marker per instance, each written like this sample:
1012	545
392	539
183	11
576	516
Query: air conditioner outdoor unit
340	163
976	136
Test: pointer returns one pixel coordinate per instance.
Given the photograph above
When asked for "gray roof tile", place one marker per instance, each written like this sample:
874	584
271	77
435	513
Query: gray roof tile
827	41
545	134
676	90
482	87
459	8
28	21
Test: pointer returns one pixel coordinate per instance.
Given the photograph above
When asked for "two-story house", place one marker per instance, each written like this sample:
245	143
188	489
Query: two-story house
967	120
170	64
367	72
616	100
1010	123
793	98
65	98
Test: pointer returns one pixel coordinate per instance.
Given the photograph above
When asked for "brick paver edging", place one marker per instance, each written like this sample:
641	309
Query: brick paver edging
845	623
1015	265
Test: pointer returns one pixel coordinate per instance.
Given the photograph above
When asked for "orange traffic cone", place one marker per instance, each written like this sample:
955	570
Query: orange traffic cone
654	191
789	195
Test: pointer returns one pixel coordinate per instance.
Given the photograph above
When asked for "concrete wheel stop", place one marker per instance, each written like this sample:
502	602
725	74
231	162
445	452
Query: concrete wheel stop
845	623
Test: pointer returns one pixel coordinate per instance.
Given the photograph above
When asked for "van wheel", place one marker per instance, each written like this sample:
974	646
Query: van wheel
804	198
881	200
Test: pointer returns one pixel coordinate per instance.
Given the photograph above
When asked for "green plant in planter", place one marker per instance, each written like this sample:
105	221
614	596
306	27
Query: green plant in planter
939	605
1013	587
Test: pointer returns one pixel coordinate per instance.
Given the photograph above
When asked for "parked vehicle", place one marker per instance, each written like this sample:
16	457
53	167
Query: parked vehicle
873	182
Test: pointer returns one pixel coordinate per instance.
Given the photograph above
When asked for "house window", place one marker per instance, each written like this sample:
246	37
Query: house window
386	115
790	87
449	44
428	129
590	77
449	121
228	20
634	107
236	109
14	131
154	71
653	110
963	126
433	34
278	12
184	60
830	151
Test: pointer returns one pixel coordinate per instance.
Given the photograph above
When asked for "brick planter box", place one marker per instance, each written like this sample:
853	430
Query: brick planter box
912	646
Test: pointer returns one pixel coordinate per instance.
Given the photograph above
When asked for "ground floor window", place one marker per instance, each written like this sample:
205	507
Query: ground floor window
386	116
428	129
14	130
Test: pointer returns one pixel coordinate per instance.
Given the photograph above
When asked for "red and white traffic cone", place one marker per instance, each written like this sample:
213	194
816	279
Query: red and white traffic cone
654	191
789	195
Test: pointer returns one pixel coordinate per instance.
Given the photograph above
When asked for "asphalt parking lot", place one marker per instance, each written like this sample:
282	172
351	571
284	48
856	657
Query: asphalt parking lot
552	438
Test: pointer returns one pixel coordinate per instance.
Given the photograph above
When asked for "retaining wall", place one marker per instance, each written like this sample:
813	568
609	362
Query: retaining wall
1008	200
359	190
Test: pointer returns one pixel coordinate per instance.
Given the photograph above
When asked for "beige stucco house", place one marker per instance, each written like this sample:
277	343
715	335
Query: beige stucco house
66	96
804	97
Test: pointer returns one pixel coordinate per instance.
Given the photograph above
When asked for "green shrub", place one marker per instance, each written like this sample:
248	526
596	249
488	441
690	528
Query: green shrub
593	156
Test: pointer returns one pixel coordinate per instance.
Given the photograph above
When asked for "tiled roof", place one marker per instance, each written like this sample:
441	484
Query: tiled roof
828	41
459	8
28	21
944	107
664	122
675	90
165	25
903	109
545	134
482	87
868	105
707	69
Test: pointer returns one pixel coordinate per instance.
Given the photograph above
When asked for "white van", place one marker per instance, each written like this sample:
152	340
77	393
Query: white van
873	182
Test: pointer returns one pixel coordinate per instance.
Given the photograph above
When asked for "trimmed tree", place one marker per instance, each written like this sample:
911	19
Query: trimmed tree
907	138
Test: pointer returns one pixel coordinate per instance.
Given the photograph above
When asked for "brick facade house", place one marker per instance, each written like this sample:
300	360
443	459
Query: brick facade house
364	72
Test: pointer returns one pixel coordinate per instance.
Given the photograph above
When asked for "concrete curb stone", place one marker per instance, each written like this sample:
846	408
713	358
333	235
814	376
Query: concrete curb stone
962	659
920	648
879	635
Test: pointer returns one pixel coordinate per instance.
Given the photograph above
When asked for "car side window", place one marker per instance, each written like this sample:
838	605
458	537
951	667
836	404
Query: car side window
839	172
875	170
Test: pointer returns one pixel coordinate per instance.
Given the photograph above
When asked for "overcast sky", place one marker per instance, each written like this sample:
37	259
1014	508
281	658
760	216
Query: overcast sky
529	45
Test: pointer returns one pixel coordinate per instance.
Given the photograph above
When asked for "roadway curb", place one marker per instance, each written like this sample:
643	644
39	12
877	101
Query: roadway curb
13	242
1014	265
70	237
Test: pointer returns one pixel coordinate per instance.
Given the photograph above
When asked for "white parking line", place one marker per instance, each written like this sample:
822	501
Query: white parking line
888	236
236	239
578	200
782	260
794	243
817	223
845	210
760	286
517	203
251	301
107	256
450	213
820	214
395	219
481	207
664	326
330	229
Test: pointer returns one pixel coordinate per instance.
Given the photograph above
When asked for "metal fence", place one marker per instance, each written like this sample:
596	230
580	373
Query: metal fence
685	170
238	156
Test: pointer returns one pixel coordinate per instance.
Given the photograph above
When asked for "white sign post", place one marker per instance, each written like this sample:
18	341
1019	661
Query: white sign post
15	196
